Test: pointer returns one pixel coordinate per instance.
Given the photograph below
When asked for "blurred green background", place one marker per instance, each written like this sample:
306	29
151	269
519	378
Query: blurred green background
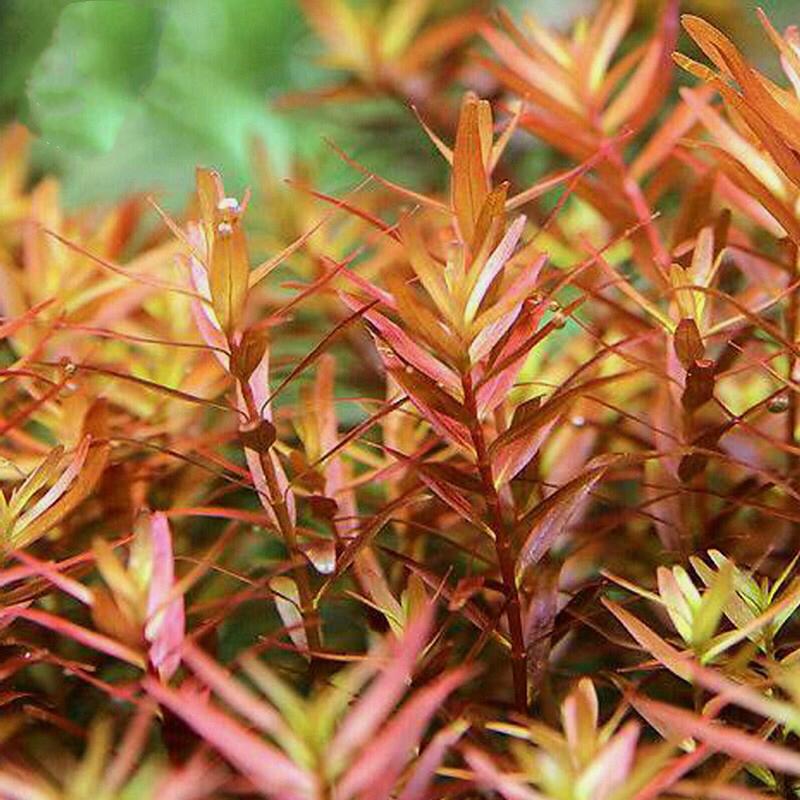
128	95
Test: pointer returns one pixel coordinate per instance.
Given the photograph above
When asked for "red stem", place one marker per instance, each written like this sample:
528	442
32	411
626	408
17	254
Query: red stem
278	503
503	546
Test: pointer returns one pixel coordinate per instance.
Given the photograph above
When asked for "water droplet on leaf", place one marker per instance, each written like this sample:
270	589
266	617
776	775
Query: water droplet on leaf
228	204
778	404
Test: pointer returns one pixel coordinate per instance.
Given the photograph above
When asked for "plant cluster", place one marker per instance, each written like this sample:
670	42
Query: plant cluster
412	492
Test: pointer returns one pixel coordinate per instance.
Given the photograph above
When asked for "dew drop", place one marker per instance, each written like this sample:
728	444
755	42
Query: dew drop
778	404
228	204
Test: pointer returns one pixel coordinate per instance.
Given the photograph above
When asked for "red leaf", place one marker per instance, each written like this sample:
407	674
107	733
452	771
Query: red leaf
375	705
743	746
548	519
269	769
375	771
514	448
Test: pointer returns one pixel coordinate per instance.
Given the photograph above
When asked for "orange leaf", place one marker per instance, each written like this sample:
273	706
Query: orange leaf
470	179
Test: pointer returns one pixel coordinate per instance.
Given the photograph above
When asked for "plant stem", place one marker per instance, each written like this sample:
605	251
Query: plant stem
287	529
791	334
503	546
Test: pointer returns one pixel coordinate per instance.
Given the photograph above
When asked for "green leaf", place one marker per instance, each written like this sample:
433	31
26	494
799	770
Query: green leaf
26	27
716	597
131	95
101	58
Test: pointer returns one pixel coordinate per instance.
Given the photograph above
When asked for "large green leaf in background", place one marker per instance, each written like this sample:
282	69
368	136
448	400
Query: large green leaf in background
102	57
131	94
25	30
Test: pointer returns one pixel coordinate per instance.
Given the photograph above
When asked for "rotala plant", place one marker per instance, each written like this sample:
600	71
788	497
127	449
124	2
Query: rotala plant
389	51
477	487
583	760
333	743
219	269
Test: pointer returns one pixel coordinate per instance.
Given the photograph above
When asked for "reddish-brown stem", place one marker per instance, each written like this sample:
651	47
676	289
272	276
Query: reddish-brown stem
503	546
278	503
791	322
791	335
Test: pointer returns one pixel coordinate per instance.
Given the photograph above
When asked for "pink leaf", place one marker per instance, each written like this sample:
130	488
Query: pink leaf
270	770
165	627
239	698
440	409
743	746
611	767
405	347
516	446
375	771
519	291
488	775
377	702
430	760
496	389
258	383
72	631
50	572
496	261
